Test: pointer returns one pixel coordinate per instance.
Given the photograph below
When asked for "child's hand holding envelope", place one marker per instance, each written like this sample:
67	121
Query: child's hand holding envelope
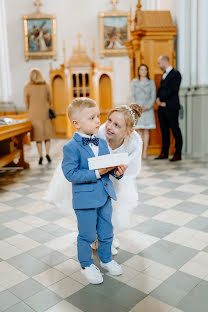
103	171
120	170
109	161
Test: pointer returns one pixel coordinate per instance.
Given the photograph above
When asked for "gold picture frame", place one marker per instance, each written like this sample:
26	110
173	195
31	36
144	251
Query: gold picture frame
39	36
114	31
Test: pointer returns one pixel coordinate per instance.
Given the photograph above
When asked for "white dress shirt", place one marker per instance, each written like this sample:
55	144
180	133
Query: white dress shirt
93	147
167	72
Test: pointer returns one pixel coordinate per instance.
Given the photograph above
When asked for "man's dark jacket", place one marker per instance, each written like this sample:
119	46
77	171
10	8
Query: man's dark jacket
168	91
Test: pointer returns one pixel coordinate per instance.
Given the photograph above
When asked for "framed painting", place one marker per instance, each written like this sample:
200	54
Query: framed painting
114	31
39	36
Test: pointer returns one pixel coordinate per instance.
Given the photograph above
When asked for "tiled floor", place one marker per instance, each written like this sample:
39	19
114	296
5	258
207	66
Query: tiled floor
164	253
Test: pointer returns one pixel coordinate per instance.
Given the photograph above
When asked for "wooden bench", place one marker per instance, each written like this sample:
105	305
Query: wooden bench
12	139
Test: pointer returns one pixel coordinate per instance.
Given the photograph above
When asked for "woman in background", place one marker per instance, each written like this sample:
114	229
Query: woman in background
143	92
38	101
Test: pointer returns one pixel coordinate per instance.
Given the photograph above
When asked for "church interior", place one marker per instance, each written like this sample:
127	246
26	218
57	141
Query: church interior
164	251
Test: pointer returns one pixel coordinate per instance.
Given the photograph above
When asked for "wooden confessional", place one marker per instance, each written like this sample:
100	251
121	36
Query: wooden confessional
79	77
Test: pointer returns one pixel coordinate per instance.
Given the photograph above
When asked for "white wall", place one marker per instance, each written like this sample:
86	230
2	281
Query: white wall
72	17
5	77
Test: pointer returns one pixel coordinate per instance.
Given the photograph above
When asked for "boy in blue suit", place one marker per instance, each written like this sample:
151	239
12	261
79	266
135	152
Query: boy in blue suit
92	189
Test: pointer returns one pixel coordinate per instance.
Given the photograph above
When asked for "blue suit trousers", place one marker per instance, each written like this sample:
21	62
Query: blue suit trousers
90	222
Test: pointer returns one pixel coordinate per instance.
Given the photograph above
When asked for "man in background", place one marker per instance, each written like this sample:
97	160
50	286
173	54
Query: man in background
169	105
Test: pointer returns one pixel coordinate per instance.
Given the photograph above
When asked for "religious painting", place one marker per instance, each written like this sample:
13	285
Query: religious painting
114	32
39	36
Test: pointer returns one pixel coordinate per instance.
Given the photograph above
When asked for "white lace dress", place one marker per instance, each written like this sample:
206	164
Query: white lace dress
60	189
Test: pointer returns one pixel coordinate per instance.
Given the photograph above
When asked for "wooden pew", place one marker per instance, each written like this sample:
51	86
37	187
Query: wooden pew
11	143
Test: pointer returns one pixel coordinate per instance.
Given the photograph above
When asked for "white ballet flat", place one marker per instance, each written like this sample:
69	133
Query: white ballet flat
115	244
114	251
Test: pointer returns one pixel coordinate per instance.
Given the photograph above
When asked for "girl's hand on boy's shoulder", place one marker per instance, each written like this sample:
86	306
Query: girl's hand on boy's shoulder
103	171
120	170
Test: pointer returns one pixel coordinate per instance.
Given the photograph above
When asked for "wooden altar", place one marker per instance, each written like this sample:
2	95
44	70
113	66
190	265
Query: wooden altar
80	76
11	143
152	35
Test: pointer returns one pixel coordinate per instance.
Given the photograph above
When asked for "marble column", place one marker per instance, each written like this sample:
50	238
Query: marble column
183	55
183	63
193	29
5	76
192	62
200	94
202	44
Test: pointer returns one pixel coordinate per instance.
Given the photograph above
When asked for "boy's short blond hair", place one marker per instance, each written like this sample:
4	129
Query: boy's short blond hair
78	104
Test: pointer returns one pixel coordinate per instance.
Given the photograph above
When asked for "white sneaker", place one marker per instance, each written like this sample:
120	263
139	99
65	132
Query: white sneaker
112	267
114	251
92	274
116	243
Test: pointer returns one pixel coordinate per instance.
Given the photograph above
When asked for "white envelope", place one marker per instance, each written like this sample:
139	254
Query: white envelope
109	160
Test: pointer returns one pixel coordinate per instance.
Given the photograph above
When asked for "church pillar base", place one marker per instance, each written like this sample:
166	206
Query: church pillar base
194	124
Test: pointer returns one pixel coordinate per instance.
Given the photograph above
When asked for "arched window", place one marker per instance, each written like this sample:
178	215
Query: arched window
80	80
87	80
74	80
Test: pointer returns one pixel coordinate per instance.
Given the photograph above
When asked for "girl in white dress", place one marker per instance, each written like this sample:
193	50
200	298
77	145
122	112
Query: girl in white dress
121	138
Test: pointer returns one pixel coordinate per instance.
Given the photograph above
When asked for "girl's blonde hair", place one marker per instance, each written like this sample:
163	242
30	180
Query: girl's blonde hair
36	76
132	113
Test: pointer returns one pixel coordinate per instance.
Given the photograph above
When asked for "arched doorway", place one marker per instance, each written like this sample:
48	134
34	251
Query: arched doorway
105	96
59	105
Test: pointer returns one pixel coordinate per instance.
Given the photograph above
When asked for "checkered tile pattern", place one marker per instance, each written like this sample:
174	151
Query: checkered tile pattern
164	253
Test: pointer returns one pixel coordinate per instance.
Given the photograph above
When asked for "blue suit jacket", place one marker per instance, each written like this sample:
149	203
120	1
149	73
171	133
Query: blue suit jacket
88	191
